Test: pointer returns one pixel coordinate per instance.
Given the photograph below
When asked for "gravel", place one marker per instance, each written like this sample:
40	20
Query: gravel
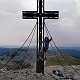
30	74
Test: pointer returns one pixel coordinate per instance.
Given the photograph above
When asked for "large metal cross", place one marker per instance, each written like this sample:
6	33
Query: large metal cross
40	15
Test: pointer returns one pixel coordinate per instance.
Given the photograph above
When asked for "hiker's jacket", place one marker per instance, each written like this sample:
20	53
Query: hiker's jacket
46	43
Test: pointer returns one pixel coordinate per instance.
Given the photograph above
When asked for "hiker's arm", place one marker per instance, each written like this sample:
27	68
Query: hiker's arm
50	39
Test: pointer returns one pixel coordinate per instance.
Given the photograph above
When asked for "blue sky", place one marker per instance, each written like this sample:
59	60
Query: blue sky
14	30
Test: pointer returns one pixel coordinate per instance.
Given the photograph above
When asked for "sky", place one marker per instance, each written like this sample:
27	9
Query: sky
14	30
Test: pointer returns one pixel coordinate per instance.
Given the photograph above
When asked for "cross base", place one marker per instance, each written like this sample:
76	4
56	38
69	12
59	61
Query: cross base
40	64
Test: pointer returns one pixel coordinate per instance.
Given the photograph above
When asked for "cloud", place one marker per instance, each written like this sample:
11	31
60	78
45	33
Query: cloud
66	30
29	4
10	5
77	7
14	30
66	22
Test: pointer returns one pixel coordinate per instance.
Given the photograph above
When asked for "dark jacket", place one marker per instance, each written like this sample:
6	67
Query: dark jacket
46	42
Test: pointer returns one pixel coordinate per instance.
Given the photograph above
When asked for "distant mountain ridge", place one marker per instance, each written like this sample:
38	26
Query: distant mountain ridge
73	51
24	59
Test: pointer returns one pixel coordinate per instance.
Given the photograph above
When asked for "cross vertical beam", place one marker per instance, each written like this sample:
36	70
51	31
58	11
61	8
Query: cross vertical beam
40	62
40	15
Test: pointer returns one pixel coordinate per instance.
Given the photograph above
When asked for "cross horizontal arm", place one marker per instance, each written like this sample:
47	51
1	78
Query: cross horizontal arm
29	14
51	14
45	14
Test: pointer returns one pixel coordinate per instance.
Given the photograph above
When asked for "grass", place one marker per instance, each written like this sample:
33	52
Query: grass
51	61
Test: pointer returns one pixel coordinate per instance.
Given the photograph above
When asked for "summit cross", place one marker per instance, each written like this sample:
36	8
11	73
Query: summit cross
40	15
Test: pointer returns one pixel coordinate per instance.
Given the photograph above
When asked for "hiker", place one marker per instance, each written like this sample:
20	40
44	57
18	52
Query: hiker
46	45
58	73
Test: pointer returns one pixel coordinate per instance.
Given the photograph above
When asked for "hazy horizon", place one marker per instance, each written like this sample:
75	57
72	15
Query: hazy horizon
15	46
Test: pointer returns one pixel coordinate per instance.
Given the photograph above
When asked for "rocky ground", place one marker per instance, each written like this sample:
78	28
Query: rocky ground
30	74
23	74
69	73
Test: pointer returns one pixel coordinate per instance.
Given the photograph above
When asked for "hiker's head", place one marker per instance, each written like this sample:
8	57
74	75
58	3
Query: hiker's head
46	38
54	71
58	70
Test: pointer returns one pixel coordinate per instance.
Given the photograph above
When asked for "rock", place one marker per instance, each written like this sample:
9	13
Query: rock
30	74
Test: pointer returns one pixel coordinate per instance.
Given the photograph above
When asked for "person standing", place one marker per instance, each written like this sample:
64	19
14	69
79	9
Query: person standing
46	45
